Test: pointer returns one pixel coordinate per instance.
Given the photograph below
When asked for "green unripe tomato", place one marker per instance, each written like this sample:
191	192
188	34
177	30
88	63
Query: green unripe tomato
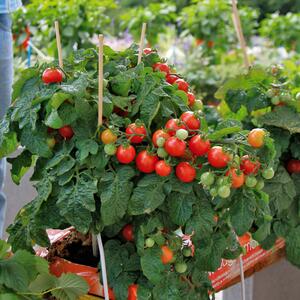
187	252
207	178
149	243
224	191
268	173
51	142
110	149
180	267
213	192
182	134
260	184
222	181
160	142
251	181
275	100
162	153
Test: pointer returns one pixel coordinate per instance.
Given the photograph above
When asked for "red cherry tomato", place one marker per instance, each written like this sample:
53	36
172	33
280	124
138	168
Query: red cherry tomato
52	75
217	157
293	166
210	44
237	177
171	78
127	233
66	132
132	292
175	147
182	85
248	166
199	146
135	134
167	255
191	98
185	172
162	168
164	68
173	125
145	162
190	120
157	134
125	154
147	51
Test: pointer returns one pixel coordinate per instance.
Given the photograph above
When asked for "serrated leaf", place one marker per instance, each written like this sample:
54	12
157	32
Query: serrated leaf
86	147
115	192
77	87
54	121
9	144
42	283
293	246
149	108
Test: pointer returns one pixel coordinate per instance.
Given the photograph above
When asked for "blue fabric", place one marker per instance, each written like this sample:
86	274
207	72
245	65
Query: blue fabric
6	77
8	6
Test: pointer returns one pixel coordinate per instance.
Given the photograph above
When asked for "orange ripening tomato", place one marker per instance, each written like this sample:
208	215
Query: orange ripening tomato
237	177
256	137
167	255
108	137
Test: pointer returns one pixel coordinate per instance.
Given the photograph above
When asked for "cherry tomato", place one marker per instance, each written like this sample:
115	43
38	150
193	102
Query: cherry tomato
293	166
51	142
110	149
207	178
173	125
180	267
199	146
145	162
147	51
187	252
174	146
127	233
182	85
135	134
190	120
251	181
210	44
248	166
108	137
66	132
268	173
125	154
160	133
256	137
191	98
162	168
217	157
237	177
52	75
224	191
164	68
171	78
167	255
182	134
149	243
185	172
132	292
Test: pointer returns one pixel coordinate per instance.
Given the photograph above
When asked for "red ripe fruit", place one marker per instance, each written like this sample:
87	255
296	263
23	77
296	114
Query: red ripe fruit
199	146
52	75
191	98
157	134
162	168
182	85
125	154
135	134
293	166
190	120
175	147
237	178
217	157
164	68
132	292
145	162
248	166
173	125
185	172
127	233
171	78
147	51
66	132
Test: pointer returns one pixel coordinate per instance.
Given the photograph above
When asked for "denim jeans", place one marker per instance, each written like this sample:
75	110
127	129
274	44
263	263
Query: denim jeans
6	77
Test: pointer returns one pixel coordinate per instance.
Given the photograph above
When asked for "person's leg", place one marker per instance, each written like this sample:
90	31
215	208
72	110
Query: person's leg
6	76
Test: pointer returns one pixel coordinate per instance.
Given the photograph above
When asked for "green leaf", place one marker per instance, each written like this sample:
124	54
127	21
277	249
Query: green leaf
53	120
283	117
76	201
147	196
77	87
217	135
69	287
149	108
115	192
86	147
9	144
242	212
20	165
152	266
4	248
42	283
293	246
121	84
57	99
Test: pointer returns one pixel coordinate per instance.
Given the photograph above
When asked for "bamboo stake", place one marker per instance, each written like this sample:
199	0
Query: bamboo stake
100	80
141	48
239	33
58	43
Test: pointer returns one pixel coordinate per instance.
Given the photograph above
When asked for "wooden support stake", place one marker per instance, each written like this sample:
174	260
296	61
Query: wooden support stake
239	33
58	43
100	80
142	40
